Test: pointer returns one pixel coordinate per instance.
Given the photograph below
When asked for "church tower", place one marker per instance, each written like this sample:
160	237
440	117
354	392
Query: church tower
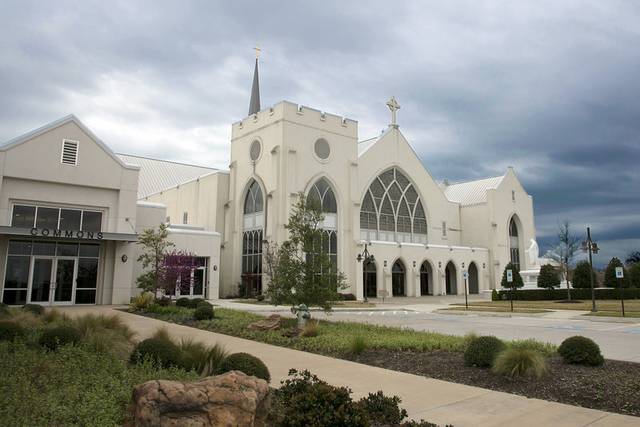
277	153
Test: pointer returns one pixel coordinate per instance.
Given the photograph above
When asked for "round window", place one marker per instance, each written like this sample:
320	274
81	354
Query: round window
254	150
322	149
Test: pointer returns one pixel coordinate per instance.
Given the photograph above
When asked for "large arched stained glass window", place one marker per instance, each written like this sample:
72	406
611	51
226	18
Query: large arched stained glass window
321	195
253	225
391	210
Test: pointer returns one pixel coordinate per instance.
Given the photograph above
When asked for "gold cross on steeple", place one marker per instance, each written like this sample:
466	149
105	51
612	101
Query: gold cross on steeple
257	49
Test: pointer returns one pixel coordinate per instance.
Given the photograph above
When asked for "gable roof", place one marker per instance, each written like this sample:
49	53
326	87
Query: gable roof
363	146
60	122
471	192
157	175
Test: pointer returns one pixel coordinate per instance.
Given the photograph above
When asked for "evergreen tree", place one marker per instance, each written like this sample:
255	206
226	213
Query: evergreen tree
581	275
548	277
610	280
517	279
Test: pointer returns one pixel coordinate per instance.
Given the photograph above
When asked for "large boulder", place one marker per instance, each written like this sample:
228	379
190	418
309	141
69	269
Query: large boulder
271	323
231	399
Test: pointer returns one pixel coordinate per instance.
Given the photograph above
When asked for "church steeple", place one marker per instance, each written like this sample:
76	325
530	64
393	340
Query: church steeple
254	103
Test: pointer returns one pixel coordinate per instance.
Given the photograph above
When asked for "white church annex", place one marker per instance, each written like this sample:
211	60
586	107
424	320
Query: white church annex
70	214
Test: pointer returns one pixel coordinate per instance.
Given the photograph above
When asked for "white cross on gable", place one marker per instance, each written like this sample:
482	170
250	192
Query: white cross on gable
394	107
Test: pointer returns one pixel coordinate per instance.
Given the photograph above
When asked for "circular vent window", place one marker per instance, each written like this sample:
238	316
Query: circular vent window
254	150
322	149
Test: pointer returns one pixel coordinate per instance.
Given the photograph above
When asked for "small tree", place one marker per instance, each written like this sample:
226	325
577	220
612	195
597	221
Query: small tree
548	277
610	280
299	270
580	278
634	275
564	252
155	244
517	279
633	257
177	265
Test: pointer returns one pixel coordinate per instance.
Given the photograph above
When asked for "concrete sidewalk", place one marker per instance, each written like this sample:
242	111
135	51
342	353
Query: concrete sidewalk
437	401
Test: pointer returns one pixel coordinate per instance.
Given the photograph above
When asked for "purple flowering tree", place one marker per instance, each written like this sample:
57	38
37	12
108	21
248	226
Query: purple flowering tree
177	265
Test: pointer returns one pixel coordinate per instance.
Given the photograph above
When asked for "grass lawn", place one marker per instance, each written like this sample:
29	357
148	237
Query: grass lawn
496	309
610	306
333	339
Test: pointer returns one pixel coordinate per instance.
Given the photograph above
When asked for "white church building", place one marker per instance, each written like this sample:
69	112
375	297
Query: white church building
71	209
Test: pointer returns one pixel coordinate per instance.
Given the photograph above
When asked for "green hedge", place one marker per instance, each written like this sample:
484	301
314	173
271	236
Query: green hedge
561	294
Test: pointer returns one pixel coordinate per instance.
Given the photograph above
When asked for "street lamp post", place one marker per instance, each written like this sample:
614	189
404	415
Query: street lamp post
366	257
592	248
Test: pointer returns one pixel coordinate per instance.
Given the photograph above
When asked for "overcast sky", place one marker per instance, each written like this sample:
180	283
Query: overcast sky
549	87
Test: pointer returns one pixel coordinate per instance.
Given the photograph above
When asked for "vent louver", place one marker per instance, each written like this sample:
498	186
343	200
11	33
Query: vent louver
69	152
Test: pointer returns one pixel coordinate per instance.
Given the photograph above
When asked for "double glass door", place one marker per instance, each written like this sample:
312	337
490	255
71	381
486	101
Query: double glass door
53	280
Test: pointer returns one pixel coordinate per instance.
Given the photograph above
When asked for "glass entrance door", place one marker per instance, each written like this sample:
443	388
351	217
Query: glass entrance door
65	280
41	282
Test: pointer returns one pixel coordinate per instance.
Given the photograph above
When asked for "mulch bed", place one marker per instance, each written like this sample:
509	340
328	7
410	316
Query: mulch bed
613	387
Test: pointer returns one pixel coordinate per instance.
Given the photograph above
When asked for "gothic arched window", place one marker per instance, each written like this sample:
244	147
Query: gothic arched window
391	210
253	225
321	195
514	243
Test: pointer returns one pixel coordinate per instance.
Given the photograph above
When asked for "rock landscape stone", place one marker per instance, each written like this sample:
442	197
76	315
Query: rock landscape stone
231	399
271	323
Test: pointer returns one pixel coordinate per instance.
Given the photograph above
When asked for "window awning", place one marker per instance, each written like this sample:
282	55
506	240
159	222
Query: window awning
77	235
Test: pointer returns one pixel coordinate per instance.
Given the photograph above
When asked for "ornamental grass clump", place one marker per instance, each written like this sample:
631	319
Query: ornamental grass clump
36	309
196	356
581	351
482	351
358	344
310	329
105	333
142	301
247	363
520	362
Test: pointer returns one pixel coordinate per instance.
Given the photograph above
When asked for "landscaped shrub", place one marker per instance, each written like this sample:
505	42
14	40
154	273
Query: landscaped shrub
580	276
52	338
195	302
383	410
4	308
358	344
560	294
548	277
520	362
196	356
260	297
157	349
348	297
183	302
581	350
203	312
247	363
142	301
34	308
305	400
495	296
164	302
11	330
482	351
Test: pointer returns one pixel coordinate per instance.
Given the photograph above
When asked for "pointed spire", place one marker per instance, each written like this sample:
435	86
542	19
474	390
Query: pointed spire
254	103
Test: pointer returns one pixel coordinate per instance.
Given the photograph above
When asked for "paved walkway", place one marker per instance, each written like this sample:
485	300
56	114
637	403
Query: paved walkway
437	401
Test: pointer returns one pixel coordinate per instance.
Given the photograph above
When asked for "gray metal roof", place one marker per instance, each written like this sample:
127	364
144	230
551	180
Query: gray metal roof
471	192
157	175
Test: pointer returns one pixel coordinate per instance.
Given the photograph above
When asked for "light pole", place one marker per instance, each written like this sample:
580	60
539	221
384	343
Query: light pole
366	257
591	247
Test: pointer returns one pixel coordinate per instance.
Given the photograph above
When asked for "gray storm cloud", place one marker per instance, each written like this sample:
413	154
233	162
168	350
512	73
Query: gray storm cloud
548	87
